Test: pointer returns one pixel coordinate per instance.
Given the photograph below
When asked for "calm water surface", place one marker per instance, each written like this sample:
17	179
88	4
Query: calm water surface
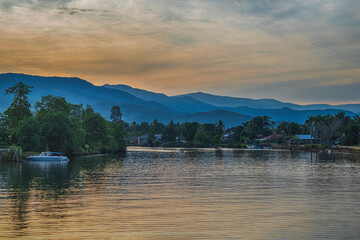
183	195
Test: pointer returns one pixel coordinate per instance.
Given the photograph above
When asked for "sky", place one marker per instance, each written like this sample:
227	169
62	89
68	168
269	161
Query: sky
305	51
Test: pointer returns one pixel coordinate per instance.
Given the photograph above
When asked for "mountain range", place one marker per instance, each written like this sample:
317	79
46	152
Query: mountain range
140	105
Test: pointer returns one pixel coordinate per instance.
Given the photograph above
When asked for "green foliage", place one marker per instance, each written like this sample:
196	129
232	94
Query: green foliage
116	134
220	128
116	114
5	131
20	107
190	130
258	126
170	133
156	127
201	139
59	125
56	132
51	103
352	133
95	130
290	129
324	128
28	134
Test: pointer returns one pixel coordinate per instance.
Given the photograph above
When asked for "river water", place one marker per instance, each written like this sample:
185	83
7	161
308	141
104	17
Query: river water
191	194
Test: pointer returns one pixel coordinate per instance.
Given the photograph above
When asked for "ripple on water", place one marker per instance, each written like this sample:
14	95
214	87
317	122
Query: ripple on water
152	194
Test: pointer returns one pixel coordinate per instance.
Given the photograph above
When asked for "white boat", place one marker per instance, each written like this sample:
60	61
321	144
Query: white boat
49	156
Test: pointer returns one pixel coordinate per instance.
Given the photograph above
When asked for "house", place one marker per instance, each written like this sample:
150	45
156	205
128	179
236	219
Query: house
158	136
139	140
271	140
273	137
227	137
181	140
304	139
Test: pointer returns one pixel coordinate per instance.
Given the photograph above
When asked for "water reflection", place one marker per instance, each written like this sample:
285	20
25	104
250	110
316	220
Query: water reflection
183	194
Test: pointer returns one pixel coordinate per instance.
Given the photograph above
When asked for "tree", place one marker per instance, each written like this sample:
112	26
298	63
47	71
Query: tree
352	133
5	130
51	103
69	114
28	134
20	107
290	129
201	138
189	130
56	132
115	135
327	127
170	133
116	114
116	131
95	129
156	127
220	128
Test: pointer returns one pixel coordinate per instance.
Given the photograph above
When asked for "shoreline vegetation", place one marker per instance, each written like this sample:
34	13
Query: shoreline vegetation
306	148
58	125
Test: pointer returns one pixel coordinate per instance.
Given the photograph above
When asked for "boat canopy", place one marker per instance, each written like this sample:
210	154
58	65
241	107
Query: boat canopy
51	153
58	153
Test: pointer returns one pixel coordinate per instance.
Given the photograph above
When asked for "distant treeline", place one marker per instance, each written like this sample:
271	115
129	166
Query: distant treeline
57	125
325	130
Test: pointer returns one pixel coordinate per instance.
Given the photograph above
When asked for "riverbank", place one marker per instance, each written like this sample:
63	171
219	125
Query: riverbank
317	148
308	148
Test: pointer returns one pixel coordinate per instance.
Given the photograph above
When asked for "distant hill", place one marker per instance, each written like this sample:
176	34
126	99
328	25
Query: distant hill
200	102
183	104
229	118
286	114
224	101
141	105
78	91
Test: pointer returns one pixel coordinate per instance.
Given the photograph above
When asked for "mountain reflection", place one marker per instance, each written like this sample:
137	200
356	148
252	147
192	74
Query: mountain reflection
47	187
183	194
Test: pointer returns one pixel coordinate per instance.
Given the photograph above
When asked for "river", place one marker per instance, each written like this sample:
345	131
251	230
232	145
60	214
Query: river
189	194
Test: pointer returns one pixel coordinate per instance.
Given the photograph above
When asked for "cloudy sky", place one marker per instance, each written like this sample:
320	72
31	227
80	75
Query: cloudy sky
305	51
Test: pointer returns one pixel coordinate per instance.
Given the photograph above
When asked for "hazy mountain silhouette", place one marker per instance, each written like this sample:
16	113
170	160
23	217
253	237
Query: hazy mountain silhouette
183	103
224	101
141	105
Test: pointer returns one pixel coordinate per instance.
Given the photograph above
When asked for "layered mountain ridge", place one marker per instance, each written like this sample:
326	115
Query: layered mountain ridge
140	105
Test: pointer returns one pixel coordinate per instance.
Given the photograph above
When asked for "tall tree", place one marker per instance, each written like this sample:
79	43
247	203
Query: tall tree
20	107
116	114
57	132
189	130
116	133
28	134
95	128
5	130
352	133
170	133
220	128
201	139
60	124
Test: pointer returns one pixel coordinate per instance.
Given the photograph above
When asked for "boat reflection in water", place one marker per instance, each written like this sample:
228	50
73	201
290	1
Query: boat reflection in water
193	194
49	156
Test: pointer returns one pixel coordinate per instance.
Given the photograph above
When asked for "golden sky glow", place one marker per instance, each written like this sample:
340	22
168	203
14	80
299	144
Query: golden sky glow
300	51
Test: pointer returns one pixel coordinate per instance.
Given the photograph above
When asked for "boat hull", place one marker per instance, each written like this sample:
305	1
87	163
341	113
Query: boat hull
47	158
